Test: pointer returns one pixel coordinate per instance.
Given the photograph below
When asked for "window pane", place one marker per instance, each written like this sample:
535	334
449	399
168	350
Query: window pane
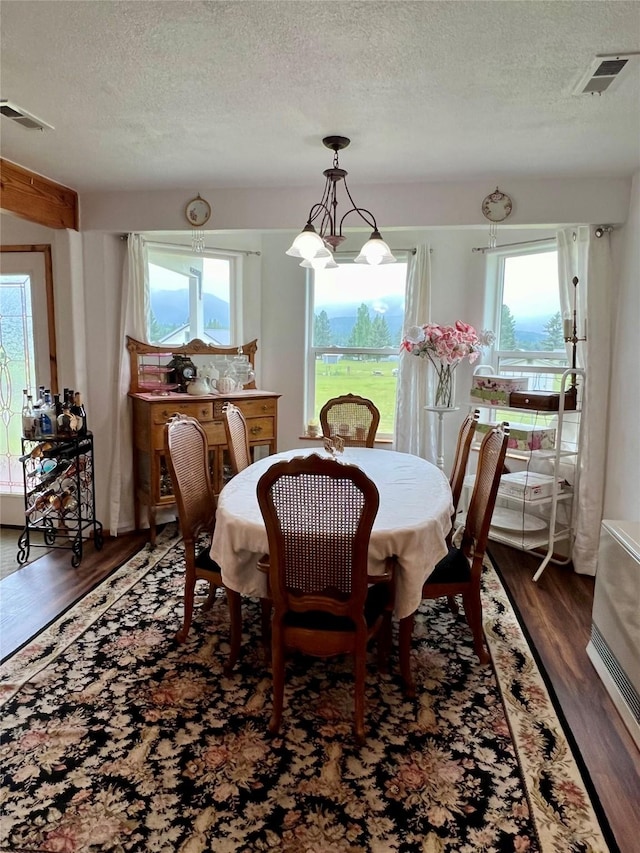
169	305
216	288
190	297
531	319
356	307
369	376
17	371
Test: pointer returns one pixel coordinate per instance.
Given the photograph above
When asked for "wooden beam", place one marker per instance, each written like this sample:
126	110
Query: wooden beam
32	197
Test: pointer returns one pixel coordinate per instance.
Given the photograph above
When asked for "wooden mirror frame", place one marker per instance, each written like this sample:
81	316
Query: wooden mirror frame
195	347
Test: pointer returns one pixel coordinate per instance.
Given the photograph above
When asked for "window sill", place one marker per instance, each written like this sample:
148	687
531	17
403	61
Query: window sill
318	438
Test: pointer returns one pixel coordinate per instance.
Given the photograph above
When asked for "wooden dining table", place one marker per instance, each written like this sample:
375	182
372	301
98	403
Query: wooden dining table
413	520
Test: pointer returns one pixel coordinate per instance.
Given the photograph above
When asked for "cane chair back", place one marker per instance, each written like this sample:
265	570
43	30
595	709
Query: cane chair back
354	419
318	515
461	457
485	489
188	463
237	434
459	573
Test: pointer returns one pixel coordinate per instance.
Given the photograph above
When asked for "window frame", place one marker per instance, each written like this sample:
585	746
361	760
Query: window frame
235	260
312	352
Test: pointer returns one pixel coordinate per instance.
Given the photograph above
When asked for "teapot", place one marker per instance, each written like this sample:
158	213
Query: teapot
198	387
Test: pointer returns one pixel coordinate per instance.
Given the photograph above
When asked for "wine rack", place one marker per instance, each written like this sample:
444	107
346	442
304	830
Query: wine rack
59	495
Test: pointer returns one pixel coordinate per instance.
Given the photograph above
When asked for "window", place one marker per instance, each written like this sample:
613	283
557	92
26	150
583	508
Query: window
27	358
526	314
355	327
193	296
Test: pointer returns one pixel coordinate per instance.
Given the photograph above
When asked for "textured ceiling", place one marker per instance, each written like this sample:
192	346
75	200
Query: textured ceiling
152	95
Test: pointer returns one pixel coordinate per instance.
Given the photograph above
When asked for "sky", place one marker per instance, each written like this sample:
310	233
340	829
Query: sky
531	284
359	283
215	277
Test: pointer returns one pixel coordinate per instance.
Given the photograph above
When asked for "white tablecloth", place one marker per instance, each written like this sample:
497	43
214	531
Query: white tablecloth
413	520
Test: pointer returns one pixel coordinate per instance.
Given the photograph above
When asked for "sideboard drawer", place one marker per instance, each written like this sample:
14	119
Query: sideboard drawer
249	408
260	428
200	411
215	432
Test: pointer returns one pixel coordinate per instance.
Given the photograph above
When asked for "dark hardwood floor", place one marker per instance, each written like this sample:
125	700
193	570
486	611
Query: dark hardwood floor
556	612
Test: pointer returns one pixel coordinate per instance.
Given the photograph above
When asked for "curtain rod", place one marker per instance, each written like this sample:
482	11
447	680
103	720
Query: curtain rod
187	248
484	249
393	249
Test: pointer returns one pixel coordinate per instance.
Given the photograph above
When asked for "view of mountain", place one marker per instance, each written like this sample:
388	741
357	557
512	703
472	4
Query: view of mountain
530	332
343	316
171	308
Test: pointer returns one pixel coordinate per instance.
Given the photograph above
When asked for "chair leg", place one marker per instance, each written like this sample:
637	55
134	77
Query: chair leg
277	668
210	598
404	642
473	613
360	666
235	626
384	642
265	625
189	586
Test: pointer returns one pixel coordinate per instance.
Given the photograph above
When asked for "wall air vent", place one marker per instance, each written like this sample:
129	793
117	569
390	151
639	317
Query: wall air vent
22	117
603	72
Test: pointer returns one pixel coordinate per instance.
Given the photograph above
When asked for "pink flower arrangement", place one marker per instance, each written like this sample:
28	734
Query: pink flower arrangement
448	344
445	347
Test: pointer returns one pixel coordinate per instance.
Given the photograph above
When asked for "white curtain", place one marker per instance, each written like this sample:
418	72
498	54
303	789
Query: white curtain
133	321
583	255
415	428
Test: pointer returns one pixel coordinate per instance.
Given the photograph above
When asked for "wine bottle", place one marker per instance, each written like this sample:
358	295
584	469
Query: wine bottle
38	403
40	501
64	420
48	410
79	411
29	419
46	418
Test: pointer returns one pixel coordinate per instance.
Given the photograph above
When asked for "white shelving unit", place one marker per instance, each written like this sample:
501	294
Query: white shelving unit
539	523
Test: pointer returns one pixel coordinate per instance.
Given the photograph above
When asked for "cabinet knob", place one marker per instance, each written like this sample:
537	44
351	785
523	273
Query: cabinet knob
265	407
255	430
526	399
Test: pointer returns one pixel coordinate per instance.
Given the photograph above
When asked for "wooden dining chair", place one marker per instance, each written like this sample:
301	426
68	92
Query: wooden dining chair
188	462
460	571
461	459
354	419
456	481
318	514
235	427
237	434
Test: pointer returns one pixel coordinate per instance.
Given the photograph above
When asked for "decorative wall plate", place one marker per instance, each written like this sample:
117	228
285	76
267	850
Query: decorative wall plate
197	211
496	206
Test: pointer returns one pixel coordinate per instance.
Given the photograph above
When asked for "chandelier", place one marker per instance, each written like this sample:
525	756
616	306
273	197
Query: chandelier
316	247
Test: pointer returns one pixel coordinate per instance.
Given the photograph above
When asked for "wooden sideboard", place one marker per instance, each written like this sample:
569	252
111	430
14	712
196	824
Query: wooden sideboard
152	410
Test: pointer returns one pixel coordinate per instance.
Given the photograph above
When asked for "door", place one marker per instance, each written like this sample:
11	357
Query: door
26	359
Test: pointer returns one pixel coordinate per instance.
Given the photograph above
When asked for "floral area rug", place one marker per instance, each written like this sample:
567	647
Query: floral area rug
116	738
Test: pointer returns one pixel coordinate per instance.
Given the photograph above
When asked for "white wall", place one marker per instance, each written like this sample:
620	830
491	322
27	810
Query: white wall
535	202
622	492
88	291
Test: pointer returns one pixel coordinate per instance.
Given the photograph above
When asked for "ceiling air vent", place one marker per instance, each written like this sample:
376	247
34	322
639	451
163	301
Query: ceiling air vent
603	72
20	116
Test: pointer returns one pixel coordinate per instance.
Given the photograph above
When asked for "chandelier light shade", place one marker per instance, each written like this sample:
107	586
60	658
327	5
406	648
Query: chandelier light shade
316	247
